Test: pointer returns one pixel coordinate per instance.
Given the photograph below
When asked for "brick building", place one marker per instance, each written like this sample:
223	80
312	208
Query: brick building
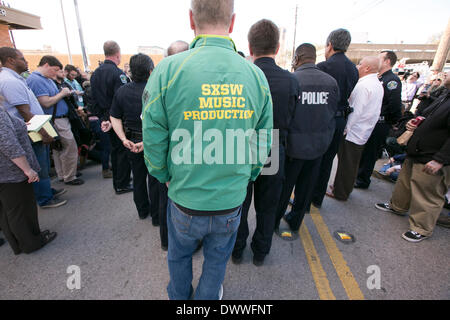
12	19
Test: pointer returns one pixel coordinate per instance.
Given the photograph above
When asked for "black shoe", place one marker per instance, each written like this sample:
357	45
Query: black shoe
386	207
257	261
155	222
361	186
75	182
236	259
124	190
48	237
413	236
79	174
2	242
164	248
58	192
143	216
318	206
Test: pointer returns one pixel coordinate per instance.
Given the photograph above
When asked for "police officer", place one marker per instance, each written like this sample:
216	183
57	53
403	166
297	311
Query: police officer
126	120
345	73
105	81
391	112
310	134
264	44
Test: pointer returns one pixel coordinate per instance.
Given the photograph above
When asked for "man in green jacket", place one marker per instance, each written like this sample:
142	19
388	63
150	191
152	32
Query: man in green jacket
207	130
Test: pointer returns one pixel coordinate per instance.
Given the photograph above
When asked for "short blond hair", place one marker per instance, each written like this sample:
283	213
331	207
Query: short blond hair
212	12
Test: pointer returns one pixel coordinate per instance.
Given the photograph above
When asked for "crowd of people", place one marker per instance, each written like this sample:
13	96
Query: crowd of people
138	120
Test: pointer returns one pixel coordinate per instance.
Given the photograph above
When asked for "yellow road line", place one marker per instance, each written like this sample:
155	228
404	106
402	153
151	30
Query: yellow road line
345	275
319	275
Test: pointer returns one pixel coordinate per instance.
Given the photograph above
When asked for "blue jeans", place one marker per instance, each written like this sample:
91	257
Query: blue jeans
218	234
386	167
43	189
103	143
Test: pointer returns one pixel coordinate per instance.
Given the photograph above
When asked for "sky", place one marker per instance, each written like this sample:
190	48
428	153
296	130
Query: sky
134	23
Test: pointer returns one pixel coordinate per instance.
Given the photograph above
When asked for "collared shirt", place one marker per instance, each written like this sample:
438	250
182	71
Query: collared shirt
41	87
284	90
76	86
410	89
105	81
14	143
16	92
344	72
127	105
366	101
392	101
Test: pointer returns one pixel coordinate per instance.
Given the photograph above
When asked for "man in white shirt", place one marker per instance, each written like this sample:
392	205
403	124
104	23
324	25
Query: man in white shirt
366	101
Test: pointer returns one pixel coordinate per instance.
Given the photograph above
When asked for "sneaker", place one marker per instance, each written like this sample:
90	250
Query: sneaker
107	174
221	292
54	203
75	182
413	236
386	207
58	192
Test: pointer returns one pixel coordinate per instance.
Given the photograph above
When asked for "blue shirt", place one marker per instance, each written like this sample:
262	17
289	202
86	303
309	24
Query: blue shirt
16	92
42	86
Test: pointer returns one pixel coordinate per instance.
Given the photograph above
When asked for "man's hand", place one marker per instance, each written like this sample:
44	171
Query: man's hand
66	92
432	167
32	176
46	138
128	144
106	126
138	147
410	126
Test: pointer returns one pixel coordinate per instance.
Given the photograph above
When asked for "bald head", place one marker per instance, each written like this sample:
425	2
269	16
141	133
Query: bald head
368	65
177	47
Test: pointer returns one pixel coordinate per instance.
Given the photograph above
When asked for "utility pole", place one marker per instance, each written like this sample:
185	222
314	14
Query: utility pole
83	48
443	50
295	31
65	29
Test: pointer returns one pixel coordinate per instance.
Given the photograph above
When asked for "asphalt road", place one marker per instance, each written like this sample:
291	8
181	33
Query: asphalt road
119	256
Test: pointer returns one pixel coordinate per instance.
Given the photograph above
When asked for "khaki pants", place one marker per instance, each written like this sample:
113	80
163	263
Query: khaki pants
349	156
66	161
422	194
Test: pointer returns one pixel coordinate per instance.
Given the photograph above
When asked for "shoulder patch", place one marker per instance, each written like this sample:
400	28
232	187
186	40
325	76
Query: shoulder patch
392	85
123	78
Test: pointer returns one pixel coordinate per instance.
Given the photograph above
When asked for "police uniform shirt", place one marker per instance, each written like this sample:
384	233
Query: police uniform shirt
284	90
127	105
344	72
391	110
105	81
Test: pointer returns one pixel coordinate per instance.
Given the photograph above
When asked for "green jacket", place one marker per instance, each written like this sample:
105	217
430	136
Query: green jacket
193	105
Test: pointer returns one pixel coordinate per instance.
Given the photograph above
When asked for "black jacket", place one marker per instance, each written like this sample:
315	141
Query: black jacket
391	108
344	72
431	139
105	81
284	90
313	126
